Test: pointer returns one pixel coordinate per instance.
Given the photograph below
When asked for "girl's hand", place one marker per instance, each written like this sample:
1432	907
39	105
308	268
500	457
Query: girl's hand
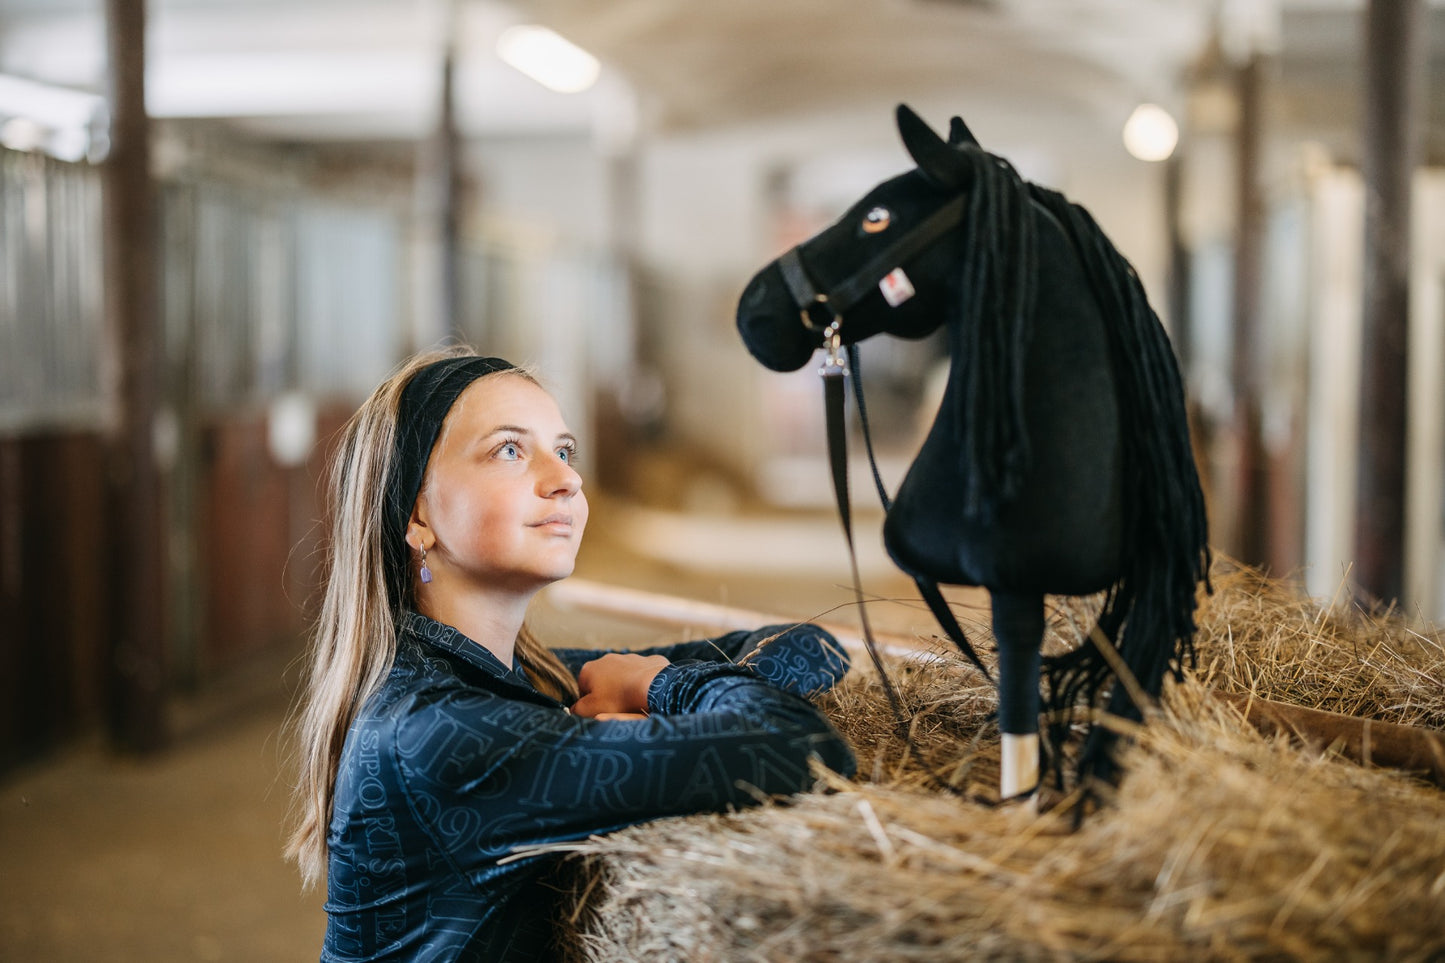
615	684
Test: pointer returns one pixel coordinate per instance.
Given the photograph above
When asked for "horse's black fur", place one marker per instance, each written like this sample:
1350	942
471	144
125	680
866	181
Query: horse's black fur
1059	461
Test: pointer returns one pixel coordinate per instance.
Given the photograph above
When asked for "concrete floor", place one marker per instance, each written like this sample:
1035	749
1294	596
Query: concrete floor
177	857
174	857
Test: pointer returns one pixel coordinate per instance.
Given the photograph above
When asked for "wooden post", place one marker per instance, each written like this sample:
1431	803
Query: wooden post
438	205
1394	61
1251	504
447	184
137	670
1181	332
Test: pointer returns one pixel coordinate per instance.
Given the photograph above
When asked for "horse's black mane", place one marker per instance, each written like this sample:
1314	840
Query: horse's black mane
1148	613
989	340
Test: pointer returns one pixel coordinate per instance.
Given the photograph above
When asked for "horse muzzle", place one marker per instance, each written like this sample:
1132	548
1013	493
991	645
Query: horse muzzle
768	321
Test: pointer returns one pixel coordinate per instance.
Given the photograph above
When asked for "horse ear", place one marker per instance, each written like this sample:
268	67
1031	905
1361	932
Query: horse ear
959	134
939	162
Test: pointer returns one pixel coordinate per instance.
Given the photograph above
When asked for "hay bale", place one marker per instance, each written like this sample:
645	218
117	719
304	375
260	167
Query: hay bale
1265	635
1221	843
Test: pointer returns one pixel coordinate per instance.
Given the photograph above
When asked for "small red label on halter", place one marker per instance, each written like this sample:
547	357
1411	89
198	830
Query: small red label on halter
896	287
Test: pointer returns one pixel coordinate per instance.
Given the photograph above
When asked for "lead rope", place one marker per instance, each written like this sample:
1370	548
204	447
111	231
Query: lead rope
927	587
834	370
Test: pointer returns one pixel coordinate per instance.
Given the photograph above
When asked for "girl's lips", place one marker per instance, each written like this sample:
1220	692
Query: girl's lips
558	519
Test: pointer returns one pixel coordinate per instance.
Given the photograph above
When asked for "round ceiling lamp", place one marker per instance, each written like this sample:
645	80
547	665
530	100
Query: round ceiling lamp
1150	133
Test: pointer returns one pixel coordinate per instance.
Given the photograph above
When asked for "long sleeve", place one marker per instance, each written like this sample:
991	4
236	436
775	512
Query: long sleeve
486	774
457	761
801	658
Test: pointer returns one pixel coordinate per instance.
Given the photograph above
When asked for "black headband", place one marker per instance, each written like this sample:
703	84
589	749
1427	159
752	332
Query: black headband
425	401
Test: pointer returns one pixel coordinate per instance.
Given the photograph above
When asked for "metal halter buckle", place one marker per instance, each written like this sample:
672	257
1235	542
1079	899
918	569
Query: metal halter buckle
805	307
835	363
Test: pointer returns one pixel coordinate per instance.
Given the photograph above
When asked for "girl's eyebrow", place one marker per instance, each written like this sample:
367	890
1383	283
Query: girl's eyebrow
566	436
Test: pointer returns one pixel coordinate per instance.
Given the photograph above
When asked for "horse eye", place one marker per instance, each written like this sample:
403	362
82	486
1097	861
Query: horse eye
876	220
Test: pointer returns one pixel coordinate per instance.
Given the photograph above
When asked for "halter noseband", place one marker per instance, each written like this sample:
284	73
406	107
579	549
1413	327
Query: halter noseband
842	296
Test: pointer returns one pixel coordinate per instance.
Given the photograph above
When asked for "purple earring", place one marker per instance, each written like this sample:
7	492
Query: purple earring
425	572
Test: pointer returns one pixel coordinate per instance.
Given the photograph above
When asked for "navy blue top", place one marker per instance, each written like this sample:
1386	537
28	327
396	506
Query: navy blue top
458	759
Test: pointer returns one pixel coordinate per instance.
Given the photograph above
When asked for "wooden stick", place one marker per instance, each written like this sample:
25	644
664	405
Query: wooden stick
1018	764
1368	741
1372	742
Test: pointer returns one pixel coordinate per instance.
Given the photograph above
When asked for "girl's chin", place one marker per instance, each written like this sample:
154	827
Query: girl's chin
560	571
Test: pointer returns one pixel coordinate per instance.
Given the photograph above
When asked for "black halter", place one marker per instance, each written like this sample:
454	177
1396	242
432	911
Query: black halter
835	301
852	289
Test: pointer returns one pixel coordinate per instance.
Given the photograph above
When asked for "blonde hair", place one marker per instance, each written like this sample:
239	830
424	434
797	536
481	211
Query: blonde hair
354	641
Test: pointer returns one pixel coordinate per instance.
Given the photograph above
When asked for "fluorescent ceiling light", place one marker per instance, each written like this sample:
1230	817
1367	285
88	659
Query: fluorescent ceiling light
1150	133
22	133
548	58
289	83
46	105
63	123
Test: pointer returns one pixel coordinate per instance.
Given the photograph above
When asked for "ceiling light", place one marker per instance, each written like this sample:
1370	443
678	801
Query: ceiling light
40	117
45	104
548	58
21	133
1150	133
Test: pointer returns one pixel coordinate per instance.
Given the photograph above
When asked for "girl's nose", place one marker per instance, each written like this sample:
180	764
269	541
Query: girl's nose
561	479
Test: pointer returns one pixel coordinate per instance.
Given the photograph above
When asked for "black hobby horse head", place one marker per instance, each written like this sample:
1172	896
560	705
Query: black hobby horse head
1059	461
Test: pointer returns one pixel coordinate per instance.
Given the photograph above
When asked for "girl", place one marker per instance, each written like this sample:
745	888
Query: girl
436	734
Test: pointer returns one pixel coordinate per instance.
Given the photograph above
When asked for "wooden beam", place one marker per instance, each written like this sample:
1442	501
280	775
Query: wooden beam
1394	64
438	308
1250	523
447	174
657	609
138	663
1181	329
1368	741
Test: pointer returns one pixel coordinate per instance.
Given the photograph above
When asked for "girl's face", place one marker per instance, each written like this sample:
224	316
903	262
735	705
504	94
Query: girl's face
502	500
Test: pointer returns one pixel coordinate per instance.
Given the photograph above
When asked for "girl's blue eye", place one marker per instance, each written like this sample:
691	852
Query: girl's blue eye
509	451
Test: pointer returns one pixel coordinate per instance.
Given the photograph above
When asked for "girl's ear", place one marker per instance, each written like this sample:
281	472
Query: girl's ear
418	532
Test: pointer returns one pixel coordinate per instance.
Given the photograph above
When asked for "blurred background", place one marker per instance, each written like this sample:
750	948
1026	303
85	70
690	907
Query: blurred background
222	222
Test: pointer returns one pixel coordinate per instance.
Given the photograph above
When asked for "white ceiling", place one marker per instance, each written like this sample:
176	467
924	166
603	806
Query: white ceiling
368	70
